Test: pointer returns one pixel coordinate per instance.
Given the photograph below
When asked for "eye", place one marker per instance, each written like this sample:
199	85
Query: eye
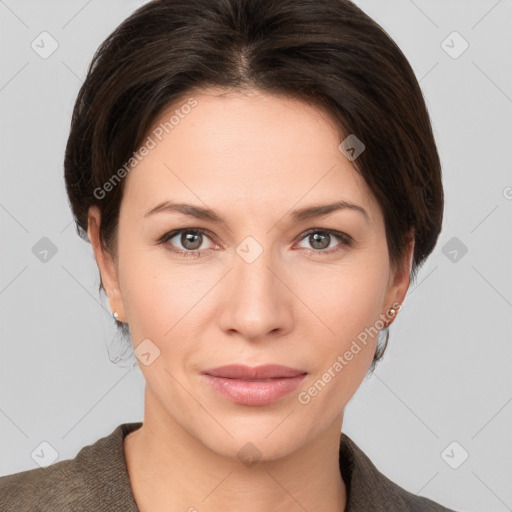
190	239
321	239
187	242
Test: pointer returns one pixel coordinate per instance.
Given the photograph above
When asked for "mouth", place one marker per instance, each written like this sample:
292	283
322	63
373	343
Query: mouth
254	386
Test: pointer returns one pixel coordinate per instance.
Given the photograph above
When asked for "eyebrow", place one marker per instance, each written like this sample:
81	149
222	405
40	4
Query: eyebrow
302	214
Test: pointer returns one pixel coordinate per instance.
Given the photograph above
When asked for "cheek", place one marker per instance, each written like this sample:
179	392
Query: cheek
347	302
165	301
346	298
142	281
158	299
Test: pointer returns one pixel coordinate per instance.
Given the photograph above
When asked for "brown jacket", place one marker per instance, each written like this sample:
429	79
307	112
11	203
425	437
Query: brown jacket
96	480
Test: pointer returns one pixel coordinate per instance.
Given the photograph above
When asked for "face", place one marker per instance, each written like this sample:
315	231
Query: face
253	281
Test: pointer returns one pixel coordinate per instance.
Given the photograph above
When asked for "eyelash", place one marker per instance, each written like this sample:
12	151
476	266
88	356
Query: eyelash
346	240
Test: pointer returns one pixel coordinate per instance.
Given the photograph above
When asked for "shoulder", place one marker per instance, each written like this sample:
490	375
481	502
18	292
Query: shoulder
369	489
96	479
50	488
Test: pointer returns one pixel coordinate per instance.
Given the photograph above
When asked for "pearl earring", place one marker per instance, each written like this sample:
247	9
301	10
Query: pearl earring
391	312
115	314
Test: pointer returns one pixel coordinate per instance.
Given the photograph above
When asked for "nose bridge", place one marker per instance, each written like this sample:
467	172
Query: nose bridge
257	301
252	267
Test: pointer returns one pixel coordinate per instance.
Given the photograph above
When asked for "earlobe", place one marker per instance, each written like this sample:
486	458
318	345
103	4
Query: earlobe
105	264
400	285
392	312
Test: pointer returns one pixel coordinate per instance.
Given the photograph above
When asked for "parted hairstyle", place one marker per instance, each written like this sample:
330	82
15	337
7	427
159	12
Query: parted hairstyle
327	53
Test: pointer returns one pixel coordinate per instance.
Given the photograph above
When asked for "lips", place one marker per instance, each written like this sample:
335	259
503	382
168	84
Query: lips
242	372
254	386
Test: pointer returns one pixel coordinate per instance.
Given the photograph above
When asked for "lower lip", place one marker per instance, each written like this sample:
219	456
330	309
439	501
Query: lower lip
261	392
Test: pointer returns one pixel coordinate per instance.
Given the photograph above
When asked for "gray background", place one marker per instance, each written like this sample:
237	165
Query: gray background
446	375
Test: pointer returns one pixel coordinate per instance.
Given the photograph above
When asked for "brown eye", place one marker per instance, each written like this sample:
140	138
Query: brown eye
323	241
187	242
191	240
320	241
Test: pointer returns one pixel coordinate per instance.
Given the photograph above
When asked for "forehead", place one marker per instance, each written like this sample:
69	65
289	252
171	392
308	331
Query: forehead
246	150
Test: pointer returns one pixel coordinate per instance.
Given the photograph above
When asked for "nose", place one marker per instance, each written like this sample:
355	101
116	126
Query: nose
256	302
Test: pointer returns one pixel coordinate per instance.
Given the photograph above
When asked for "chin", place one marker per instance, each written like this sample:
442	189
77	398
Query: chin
255	438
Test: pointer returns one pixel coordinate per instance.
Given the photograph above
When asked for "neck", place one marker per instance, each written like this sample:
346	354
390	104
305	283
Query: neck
169	469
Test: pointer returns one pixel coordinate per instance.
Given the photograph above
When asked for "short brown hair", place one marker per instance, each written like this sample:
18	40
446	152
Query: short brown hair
325	52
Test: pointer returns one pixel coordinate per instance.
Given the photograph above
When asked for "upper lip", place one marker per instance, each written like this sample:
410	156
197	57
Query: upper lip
267	371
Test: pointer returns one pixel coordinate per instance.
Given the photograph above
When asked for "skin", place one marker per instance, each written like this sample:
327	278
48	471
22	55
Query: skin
252	157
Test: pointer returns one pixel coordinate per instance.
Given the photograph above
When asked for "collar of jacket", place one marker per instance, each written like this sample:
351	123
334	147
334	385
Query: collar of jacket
97	479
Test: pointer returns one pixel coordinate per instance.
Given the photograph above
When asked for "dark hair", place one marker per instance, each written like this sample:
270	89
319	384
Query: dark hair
328	53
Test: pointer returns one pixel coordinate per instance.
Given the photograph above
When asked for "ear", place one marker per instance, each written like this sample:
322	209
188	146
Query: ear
399	283
106	264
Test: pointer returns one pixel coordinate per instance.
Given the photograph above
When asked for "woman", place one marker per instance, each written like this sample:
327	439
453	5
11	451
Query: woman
260	183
